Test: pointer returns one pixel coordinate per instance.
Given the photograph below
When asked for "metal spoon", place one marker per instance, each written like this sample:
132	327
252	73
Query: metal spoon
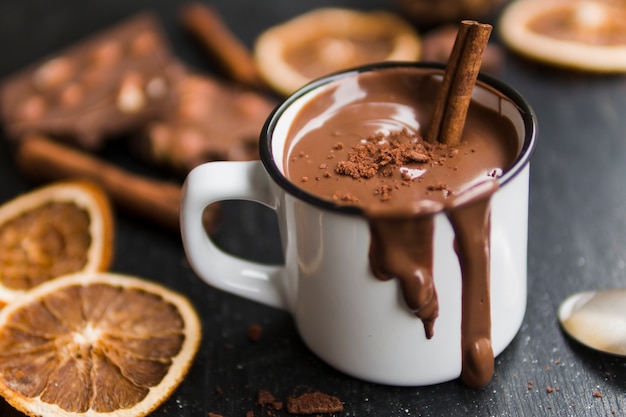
596	319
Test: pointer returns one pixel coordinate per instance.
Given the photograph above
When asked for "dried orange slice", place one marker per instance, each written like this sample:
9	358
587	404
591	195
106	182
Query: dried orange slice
580	34
95	344
326	40
54	230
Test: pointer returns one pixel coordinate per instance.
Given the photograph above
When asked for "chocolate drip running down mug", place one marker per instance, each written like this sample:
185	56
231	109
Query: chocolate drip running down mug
355	322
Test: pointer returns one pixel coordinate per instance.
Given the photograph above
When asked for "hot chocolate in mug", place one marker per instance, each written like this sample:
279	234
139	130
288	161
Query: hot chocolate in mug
358	323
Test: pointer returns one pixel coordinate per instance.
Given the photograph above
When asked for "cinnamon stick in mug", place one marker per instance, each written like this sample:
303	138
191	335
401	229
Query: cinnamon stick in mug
458	82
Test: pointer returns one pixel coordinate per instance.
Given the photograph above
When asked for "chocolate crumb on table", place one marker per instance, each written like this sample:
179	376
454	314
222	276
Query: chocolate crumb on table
254	332
314	402
267	399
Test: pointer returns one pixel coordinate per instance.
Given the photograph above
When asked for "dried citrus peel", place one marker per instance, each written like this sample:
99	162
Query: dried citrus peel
97	344
580	34
54	230
326	40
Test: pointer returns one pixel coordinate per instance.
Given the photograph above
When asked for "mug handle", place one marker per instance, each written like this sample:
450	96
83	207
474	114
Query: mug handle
228	180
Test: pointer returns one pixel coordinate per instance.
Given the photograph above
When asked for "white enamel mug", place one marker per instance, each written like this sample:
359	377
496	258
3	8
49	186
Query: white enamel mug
355	322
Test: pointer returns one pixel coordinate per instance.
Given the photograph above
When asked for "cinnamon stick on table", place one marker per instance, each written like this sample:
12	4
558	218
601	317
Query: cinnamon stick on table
458	82
157	201
206	25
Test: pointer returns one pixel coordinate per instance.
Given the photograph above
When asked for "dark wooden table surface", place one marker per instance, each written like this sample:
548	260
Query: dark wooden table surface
577	241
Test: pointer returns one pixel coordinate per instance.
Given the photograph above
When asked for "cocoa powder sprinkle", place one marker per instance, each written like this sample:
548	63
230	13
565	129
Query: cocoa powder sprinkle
383	156
377	152
380	155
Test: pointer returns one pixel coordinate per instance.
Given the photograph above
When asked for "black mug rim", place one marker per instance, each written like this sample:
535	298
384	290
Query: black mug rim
265	141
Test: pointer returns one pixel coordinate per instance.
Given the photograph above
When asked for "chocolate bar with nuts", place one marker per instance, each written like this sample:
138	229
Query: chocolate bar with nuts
109	84
212	121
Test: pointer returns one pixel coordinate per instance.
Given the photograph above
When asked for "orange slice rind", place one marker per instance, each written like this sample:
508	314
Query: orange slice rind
95	344
55	230
325	40
588	35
